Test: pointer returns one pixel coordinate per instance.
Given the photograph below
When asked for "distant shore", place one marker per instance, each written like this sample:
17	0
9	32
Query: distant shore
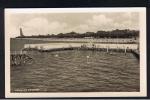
19	43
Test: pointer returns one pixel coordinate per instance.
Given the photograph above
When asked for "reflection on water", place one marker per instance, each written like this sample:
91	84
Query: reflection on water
77	71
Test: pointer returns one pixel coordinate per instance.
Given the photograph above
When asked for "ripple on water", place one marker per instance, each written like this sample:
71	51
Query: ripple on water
70	72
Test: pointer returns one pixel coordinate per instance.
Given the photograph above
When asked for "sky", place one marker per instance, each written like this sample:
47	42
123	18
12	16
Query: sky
55	23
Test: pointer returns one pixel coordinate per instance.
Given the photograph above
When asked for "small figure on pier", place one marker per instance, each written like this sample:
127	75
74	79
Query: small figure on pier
107	49
125	50
87	59
87	56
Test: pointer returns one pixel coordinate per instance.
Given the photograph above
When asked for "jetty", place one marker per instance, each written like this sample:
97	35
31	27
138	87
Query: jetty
47	47
66	45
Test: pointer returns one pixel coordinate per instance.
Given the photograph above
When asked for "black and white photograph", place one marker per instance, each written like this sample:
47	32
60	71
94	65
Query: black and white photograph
75	52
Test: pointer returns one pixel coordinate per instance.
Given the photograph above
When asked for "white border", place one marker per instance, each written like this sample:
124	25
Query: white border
143	72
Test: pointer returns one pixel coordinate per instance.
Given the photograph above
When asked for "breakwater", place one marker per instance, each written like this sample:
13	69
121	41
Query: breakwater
47	47
50	46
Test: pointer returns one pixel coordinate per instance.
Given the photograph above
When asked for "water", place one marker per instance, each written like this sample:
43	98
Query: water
77	71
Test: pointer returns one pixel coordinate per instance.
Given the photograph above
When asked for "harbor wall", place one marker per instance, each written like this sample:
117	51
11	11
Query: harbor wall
50	46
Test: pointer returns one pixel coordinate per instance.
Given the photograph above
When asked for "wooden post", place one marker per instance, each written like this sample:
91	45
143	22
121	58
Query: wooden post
87	59
125	50
21	52
107	49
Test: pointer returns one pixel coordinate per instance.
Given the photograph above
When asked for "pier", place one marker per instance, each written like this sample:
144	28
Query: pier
65	46
47	47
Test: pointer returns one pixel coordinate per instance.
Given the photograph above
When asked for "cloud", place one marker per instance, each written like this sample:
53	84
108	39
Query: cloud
54	24
103	22
95	23
99	20
79	28
42	26
57	27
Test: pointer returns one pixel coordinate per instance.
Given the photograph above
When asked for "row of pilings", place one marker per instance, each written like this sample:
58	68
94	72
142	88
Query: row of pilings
20	59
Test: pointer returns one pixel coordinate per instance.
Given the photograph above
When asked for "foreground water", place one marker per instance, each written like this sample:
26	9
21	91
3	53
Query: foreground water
77	71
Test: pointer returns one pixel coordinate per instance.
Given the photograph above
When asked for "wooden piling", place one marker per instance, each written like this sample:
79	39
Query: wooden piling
125	50
19	58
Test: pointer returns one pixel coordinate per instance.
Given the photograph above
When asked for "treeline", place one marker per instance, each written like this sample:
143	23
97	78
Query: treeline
99	34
